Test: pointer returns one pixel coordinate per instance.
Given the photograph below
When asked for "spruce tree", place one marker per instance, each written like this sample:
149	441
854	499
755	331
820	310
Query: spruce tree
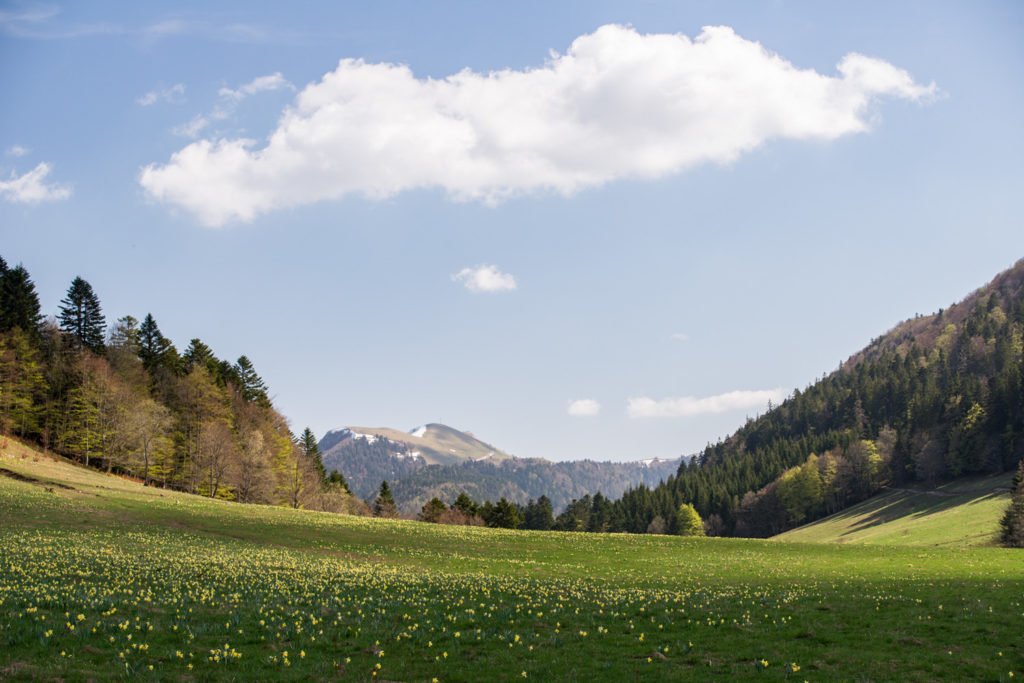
1012	524
385	506
19	303
251	384
308	444
336	478
156	350
80	316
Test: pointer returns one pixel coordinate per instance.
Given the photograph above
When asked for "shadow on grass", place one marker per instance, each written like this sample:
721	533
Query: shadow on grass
915	505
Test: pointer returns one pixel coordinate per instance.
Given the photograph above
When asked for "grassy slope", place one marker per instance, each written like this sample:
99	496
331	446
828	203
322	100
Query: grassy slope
152	578
963	513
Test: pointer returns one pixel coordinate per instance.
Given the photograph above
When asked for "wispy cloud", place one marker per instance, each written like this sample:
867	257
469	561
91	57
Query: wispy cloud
485	279
584	407
42	22
689	406
618	104
274	81
681	336
17	151
173	94
31	188
228	103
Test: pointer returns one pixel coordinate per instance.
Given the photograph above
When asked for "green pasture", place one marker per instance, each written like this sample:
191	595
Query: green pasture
963	513
101	578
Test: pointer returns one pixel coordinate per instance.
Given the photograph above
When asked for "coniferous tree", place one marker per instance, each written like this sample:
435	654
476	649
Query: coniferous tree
466	505
310	449
384	505
335	478
1012	523
250	384
539	515
432	510
155	350
80	316
19	303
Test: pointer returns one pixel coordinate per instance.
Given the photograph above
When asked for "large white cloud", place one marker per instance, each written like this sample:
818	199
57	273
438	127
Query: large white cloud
688	406
617	104
485	279
31	187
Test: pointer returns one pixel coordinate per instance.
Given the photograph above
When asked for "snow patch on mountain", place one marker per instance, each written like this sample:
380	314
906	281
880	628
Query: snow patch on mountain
419	431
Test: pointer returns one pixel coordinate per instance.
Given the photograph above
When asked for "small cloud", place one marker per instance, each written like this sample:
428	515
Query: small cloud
17	151
229	100
274	81
689	406
173	94
681	336
192	128
485	279
584	407
30	188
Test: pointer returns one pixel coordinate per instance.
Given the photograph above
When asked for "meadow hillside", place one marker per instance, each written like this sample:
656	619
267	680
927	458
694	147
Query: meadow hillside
101	577
962	513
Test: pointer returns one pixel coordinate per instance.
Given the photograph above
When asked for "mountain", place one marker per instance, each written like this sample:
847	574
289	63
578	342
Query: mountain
936	398
438	460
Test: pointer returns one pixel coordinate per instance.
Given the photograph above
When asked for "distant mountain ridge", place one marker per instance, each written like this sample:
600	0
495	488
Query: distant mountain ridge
438	460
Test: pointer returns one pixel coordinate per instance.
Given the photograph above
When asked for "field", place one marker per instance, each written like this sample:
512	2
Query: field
102	578
963	513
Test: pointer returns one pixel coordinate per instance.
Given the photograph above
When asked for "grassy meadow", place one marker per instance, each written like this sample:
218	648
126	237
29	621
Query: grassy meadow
962	513
101	578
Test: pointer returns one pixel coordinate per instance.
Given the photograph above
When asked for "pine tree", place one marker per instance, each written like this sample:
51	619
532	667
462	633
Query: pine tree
432	510
1012	524
309	447
384	505
336	478
154	347
81	317
252	386
19	303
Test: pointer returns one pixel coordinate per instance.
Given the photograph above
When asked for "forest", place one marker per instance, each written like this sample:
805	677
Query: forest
127	401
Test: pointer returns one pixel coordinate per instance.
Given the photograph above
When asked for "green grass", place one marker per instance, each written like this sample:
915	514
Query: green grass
106	578
964	513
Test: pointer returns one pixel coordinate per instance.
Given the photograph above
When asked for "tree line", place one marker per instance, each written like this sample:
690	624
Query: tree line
127	401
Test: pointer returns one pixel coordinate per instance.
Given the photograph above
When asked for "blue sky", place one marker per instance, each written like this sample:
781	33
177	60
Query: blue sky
579	230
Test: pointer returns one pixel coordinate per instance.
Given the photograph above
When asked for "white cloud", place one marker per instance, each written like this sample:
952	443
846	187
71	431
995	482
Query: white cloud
274	81
229	101
584	407
193	128
681	336
688	406
30	188
617	104
17	151
485	279
173	94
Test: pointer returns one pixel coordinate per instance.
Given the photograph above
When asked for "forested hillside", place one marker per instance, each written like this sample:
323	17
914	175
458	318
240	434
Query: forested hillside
129	402
937	397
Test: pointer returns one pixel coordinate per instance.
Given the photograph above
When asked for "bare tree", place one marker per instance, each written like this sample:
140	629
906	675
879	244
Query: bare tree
217	454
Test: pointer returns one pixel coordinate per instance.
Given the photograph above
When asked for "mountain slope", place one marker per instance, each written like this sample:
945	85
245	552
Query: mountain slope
936	398
962	513
437	460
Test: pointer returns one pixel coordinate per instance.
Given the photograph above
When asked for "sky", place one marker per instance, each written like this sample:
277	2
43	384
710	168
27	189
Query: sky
604	230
